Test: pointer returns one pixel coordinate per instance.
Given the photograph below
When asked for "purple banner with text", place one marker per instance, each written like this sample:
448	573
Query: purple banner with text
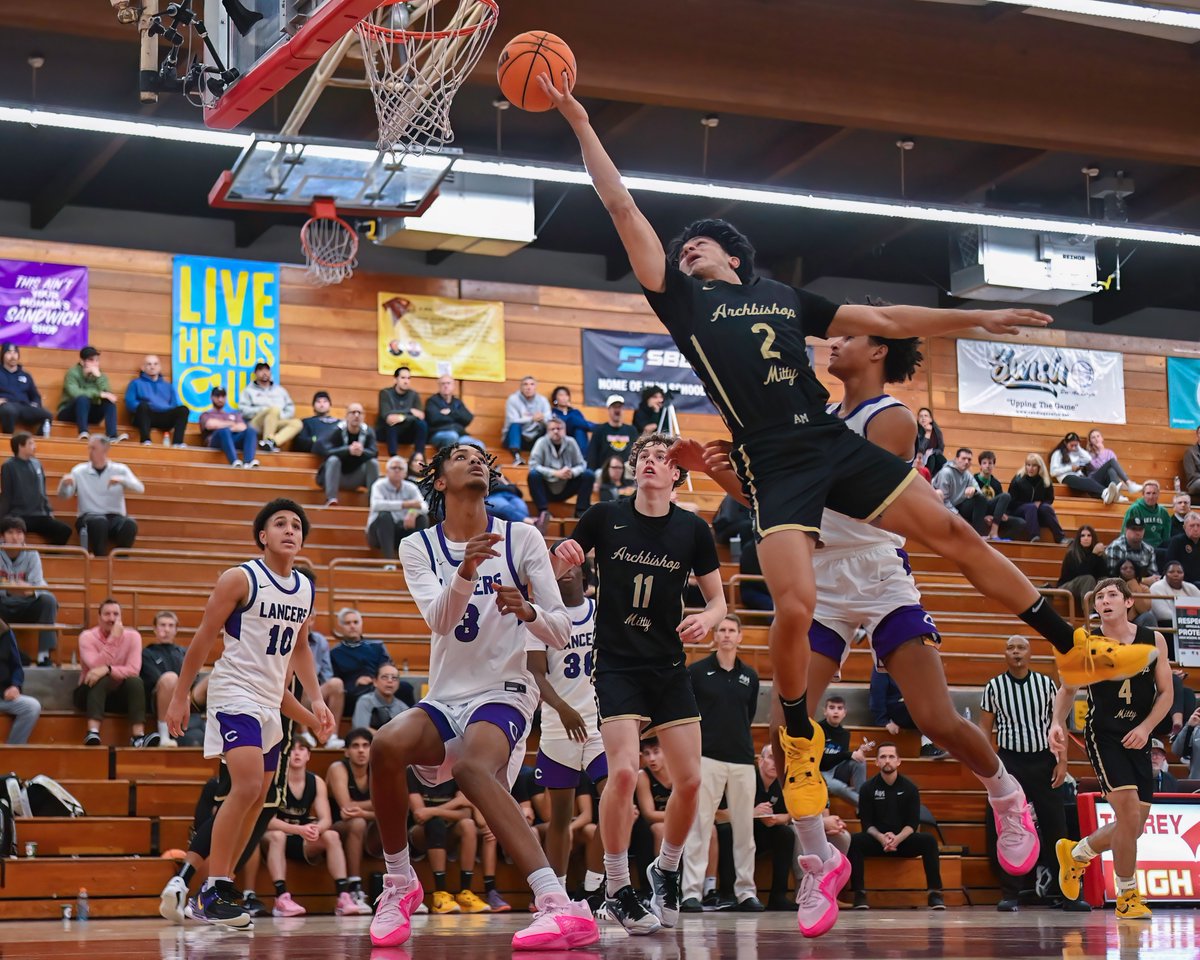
43	304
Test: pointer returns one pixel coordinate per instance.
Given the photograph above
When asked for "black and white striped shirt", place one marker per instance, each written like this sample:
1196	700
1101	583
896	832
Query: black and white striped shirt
1023	710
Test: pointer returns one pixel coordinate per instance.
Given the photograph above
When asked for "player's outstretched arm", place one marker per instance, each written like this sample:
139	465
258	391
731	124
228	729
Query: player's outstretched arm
645	250
896	322
696	626
539	665
711	459
1140	735
1063	699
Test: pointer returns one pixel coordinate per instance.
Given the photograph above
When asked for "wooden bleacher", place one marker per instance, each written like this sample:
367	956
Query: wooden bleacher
194	515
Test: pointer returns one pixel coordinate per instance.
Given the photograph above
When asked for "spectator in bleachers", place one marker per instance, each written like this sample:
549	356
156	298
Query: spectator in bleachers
1131	545
447	417
1181	504
268	408
20	401
152	404
611	482
23	597
348	782
161	662
1185	548
1171	586
726	692
773	829
960	491
349	453
557	472
1164	780
227	431
1032	495
1191	467
1156	519
1186	745
755	595
1141	612
653	790
930	448
332	690
888	710
23	709
579	427
649	411
1083	565
889	808
401	416
23	491
86	397
996	500
439	815
377	707
397	509
732	520
506	501
302	831
316	428
844	770
611	439
110	658
525	414
356	661
99	487
1102	457
416	464
1071	466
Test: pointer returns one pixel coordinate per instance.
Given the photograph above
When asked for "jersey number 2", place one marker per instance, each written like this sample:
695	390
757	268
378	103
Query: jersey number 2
768	333
280	644
468	630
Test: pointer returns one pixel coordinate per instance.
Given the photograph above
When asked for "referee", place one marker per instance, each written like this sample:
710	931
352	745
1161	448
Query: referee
1018	706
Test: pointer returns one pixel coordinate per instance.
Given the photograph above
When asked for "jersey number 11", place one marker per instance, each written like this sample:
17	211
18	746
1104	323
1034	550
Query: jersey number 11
642	585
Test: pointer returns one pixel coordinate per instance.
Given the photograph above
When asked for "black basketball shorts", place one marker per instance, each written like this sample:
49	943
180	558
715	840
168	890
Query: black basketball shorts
1117	767
658	697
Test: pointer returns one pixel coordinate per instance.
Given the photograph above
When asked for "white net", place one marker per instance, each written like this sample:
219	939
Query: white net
330	249
417	55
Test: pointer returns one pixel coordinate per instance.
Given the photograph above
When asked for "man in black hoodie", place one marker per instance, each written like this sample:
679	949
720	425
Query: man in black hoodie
23	492
23	710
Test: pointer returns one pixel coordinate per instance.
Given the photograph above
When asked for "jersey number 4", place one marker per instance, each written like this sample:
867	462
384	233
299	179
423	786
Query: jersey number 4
280	643
1126	692
468	630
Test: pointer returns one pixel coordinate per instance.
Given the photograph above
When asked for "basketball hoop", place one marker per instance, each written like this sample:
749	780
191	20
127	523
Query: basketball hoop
330	245
414	67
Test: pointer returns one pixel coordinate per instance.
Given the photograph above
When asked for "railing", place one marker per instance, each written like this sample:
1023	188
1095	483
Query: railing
1090	596
342	593
58	587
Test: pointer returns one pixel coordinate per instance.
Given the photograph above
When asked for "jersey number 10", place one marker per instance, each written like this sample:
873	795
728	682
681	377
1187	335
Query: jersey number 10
281	644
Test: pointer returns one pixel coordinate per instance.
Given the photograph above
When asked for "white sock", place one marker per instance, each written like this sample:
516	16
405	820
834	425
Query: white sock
1000	784
398	864
810	832
669	856
162	730
1083	851
212	881
616	869
710	884
592	881
563	880
543	882
925	741
1125	884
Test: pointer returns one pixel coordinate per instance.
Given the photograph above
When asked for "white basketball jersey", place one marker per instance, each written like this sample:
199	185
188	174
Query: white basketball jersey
484	650
259	638
838	531
570	673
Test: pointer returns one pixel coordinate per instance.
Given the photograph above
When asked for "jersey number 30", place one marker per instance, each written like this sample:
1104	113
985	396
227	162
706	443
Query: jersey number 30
571	665
280	643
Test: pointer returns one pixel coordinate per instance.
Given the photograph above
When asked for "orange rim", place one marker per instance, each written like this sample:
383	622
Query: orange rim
394	35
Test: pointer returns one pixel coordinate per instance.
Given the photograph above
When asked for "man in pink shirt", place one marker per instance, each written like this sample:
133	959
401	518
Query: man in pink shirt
111	658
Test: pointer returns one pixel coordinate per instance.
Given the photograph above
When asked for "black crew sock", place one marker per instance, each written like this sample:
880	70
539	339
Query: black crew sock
795	717
354	883
341	885
467	878
280	887
186	872
1046	621
489	884
439	880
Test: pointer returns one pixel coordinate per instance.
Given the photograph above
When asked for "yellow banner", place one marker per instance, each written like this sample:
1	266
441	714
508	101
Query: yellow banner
433	336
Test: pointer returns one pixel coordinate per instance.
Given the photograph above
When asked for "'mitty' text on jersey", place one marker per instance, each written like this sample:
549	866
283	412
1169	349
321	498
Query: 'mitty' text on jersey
282	611
646	558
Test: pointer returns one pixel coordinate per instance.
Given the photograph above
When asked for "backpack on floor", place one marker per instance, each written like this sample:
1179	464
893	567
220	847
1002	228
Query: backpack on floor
8	829
12	794
49	798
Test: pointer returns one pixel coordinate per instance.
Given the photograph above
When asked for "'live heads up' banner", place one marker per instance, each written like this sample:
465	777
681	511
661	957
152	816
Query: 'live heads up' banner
43	304
1049	383
225	320
624	363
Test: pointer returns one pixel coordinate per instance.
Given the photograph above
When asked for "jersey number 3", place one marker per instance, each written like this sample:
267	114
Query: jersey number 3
281	644
468	630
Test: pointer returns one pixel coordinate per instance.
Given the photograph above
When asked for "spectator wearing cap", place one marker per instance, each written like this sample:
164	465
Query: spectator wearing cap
1185	548
447	417
20	402
1131	545
268	408
612	438
228	431
152	404
23	491
401	417
525	414
316	428
99	486
1164	780
87	398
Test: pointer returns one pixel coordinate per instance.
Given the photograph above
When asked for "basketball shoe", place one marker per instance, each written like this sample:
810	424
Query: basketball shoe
666	892
172	899
1095	658
1131	906
820	884
221	904
1017	845
393	908
560	924
1070	870
804	789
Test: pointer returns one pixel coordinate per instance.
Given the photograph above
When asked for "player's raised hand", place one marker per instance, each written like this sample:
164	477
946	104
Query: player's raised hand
716	456
326	721
688	454
478	549
1012	319
511	600
563	100
693	629
566	555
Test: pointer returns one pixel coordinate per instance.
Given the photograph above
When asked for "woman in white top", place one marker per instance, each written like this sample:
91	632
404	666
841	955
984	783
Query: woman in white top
1071	465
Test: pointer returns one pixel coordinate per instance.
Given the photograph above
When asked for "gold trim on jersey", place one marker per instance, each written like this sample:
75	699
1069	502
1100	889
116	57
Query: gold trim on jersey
1089	733
625	716
653	731
780	527
901	487
745	458
716	382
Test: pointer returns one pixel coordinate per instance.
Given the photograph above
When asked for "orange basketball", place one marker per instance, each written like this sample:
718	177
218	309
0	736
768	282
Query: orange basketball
526	56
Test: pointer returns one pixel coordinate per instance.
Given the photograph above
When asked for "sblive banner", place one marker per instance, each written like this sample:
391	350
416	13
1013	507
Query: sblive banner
225	319
435	336
624	363
1049	383
43	304
1183	392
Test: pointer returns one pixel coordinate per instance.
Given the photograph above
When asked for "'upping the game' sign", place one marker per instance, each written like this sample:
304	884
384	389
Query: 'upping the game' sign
225	320
626	363
43	304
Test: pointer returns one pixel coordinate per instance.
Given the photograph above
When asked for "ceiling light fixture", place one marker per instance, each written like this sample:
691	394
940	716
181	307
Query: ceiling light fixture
1113	10
547	173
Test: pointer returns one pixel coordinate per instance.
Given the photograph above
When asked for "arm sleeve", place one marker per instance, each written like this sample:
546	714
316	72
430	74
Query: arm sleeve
513	413
442	607
289	407
593	451
370	445
35	395
131	396
987	701
704	557
7	479
36	577
537	457
131	482
362	712
552	625
866	806
87	651
460	413
574	456
816	314
673	305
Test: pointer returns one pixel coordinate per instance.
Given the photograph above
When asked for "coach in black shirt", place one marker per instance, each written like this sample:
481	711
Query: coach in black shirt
889	808
727	694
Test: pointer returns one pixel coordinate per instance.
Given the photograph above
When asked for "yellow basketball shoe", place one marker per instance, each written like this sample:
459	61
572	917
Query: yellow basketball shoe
444	902
1130	906
1095	658
804	790
1070	870
470	903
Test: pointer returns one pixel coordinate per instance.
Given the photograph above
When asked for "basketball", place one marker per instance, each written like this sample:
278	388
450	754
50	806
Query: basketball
524	58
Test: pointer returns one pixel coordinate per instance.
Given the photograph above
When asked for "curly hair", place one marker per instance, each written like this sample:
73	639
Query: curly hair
659	440
433	469
729	237
279	505
903	354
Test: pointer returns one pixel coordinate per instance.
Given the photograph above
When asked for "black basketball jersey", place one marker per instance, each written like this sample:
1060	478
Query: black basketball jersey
1117	706
746	344
356	793
659	792
643	565
294	809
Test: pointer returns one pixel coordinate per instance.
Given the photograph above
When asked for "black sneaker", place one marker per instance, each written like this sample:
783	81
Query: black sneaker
932	751
711	900
1077	906
221	904
627	909
147	740
860	900
254	906
691	905
751	905
666	891
1008	905
92	739
935	900
593	898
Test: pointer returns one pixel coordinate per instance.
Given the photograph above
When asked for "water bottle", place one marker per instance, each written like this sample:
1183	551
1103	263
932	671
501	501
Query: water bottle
735	548
81	905
1177	486
83	537
967	714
